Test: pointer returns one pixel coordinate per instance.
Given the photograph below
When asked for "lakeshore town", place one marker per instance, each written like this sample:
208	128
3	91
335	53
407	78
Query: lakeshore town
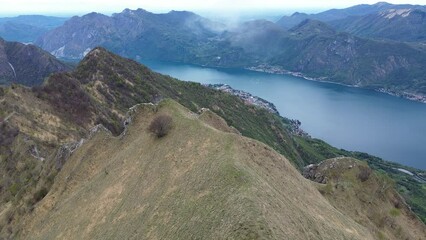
294	124
246	97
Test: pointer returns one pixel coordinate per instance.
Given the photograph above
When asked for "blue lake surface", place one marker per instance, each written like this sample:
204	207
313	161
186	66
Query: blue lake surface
350	118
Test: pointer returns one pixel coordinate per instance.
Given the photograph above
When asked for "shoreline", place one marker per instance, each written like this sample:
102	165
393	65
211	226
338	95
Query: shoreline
296	130
294	124
280	71
246	97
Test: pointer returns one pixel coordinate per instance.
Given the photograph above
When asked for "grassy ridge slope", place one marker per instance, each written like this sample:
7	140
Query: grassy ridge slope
197	182
53	118
42	126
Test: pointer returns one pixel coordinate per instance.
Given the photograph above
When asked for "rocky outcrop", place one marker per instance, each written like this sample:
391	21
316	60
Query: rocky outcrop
311	172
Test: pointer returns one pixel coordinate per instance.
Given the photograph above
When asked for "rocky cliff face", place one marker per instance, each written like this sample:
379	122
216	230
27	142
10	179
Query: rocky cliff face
26	64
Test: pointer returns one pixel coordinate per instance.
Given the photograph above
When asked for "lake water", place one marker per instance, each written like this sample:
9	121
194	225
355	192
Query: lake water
349	118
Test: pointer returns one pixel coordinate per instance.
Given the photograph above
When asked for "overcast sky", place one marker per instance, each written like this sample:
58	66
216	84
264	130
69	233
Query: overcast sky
69	7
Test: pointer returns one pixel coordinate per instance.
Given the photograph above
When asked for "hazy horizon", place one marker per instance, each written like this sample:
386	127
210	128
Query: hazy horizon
69	8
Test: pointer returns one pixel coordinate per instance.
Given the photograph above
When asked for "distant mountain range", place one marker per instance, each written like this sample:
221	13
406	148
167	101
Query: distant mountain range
396	24
338	14
26	64
379	46
312	47
315	49
132	33
27	28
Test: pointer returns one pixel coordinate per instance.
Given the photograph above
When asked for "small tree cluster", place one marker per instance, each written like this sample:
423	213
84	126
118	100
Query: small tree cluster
161	125
40	194
364	173
7	134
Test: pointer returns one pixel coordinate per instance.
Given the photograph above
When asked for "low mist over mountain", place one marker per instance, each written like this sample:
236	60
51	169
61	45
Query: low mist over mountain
26	64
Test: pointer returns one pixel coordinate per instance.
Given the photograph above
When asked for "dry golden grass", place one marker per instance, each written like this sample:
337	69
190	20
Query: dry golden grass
195	183
216	121
28	162
37	119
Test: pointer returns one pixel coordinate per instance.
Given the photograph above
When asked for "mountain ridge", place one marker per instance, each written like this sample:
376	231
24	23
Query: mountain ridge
27	28
394	24
338	14
49	121
241	172
17	67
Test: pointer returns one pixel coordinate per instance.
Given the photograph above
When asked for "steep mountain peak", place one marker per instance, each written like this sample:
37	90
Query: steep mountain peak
101	64
97	52
181	15
93	15
130	12
381	4
310	27
298	14
26	64
101	55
